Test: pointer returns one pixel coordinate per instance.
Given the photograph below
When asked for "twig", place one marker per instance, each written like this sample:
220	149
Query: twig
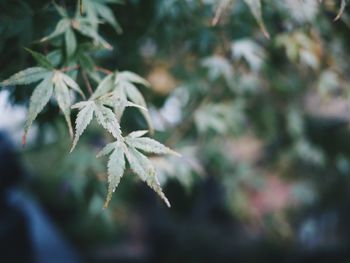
104	70
87	82
70	68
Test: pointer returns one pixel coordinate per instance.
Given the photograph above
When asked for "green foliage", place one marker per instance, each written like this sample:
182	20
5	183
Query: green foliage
107	103
139	163
235	85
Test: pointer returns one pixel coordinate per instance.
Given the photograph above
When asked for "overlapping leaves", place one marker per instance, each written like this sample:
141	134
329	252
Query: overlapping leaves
86	26
53	82
98	10
107	104
104	116
121	86
117	91
131	148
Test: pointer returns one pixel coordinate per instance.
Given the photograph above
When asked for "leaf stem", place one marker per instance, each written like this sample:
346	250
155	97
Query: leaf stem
70	68
87	82
104	70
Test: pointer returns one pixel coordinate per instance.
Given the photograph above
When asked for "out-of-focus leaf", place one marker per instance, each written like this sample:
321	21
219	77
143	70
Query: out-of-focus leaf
41	59
255	7
99	11
107	14
88	30
341	10
250	51
71	42
220	118
218	66
61	27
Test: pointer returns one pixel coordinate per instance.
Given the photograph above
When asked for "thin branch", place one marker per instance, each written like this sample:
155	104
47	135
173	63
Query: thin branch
103	70
87	82
70	68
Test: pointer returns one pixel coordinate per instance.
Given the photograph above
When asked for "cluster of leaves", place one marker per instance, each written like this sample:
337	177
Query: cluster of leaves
232	82
114	92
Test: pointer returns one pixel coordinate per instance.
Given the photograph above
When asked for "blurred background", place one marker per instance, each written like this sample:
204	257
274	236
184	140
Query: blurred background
262	125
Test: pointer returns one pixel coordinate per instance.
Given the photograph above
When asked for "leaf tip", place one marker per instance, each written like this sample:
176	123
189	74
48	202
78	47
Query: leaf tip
166	201
73	147
267	34
176	153
108	200
106	204
337	18
70	129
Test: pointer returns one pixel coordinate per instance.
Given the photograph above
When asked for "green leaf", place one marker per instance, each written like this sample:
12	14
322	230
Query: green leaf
55	57
255	8
105	86
71	83
140	164
149	145
222	7
123	87
83	119
86	62
220	117
71	42
91	32
132	77
108	120
341	10
107	14
107	149
116	167
218	66
119	101
61	27
105	117
137	134
40	97
135	96
60	10
41	59
62	96
26	76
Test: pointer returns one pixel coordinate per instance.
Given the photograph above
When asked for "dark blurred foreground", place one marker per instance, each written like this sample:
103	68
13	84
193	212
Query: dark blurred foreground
201	232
